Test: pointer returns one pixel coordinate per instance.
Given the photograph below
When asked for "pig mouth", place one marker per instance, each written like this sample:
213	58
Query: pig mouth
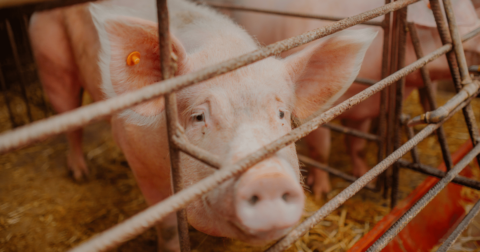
258	237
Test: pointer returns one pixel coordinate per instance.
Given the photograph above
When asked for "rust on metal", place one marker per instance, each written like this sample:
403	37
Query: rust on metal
410	135
168	69
335	172
282	13
350	131
429	93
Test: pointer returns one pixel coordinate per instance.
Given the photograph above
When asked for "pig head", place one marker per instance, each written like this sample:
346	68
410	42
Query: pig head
231	116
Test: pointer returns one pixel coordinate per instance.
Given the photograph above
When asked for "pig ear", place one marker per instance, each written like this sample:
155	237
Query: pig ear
132	59
420	13
323	71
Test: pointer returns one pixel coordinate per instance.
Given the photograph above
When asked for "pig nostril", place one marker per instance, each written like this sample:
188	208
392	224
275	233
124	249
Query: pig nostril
253	200
285	197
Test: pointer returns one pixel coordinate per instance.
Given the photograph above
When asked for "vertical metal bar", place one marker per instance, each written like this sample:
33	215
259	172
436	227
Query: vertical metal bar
452	62
6	99
42	96
402	46
18	65
430	95
410	135
382	121
168	71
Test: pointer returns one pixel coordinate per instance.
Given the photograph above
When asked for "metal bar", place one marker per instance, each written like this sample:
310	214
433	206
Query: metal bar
144	220
364	81
282	13
333	171
460	228
432	171
412	212
402	47
30	8
18	65
168	71
452	62
382	121
441	112
79	117
350	131
410	135
343	196
430	97
197	153
6	99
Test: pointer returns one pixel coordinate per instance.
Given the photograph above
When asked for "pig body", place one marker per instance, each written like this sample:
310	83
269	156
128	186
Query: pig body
274	28
232	115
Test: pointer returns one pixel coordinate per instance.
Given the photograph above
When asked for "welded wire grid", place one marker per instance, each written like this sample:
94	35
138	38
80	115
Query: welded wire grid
393	74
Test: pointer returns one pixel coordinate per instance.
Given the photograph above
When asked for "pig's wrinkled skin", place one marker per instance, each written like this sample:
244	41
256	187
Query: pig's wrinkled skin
231	115
272	28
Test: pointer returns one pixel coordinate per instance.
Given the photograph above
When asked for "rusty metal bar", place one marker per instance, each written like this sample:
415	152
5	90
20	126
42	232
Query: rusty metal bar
443	30
350	131
460	228
430	96
432	171
382	121
443	111
364	81
6	99
410	135
335	172
142	221
79	117
168	68
343	196
402	47
18	65
457	42
202	155
282	13
412	212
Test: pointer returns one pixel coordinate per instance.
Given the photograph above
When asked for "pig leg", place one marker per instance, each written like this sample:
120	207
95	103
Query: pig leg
59	75
318	142
355	145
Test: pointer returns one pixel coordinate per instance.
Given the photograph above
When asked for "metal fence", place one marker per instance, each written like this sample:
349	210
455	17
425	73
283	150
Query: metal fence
393	74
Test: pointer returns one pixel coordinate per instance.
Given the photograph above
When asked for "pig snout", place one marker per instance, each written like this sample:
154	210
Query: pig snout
268	203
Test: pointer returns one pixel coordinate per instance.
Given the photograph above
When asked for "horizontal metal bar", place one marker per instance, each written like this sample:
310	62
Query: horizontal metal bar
206	157
352	132
55	125
412	212
432	171
460	228
282	13
441	112
332	171
364	81
343	196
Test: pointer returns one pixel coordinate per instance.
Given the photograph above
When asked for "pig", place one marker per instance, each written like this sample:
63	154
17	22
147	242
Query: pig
271	28
110	48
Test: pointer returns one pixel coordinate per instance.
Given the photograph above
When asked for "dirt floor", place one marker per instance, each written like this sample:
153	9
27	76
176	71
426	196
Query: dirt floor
43	209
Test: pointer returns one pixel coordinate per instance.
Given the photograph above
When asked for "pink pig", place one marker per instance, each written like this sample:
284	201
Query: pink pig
231	116
271	28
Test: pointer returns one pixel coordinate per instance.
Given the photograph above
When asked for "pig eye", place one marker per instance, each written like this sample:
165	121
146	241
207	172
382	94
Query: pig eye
281	114
198	117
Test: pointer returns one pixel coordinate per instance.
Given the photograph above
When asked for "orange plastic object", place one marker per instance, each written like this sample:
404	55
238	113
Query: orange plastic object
133	58
433	224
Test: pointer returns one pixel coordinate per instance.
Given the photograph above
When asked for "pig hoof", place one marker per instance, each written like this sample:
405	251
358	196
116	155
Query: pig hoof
78	168
319	183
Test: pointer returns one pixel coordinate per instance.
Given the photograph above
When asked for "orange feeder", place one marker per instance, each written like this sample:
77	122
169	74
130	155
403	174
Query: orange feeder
433	224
